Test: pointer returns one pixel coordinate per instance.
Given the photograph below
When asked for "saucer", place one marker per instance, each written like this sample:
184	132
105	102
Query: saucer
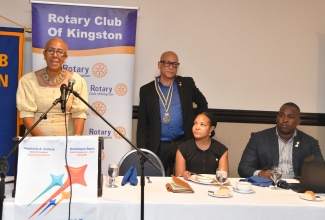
214	195
318	198
244	192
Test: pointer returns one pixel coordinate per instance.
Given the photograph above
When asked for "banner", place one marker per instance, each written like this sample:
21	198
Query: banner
43	185
11	67
101	42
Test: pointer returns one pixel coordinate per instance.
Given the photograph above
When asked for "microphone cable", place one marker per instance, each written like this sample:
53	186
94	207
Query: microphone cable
66	159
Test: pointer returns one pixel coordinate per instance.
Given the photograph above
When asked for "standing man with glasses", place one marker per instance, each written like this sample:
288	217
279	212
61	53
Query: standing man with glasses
166	113
38	90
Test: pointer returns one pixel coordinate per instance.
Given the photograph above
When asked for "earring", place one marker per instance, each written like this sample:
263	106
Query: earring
210	134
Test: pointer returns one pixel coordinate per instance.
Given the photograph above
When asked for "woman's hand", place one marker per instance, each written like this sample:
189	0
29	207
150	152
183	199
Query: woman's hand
186	175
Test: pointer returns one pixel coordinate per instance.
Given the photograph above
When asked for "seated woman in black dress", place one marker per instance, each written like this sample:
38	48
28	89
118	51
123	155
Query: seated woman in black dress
202	154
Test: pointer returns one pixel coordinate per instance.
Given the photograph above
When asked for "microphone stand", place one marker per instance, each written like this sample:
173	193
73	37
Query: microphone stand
4	165
143	159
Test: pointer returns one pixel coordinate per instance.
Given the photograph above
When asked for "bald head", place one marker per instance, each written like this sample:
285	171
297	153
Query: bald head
167	54
55	54
56	40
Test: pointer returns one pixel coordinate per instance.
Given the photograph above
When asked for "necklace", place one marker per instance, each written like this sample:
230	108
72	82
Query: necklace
165	100
53	81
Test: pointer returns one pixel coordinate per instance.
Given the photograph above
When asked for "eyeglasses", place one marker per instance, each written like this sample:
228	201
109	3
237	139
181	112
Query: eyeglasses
51	51
167	63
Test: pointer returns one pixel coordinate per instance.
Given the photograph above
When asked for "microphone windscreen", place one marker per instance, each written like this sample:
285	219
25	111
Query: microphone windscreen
72	81
283	184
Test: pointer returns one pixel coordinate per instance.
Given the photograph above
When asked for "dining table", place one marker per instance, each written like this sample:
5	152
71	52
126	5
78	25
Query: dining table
261	202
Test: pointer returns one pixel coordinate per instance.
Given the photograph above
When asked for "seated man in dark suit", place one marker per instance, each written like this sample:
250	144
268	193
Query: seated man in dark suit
283	145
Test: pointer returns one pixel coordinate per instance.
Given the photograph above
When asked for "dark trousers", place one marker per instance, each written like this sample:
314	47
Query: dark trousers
167	153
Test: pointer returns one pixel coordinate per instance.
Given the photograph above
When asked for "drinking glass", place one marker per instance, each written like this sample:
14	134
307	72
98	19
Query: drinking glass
113	172
276	174
221	176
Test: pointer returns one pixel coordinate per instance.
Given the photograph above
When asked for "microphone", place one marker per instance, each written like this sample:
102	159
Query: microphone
283	184
71	82
63	90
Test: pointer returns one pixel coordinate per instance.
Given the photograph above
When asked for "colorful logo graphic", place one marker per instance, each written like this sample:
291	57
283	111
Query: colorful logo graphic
99	70
121	130
77	176
121	89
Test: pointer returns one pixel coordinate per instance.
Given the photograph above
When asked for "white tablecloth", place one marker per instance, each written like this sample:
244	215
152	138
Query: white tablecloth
124	203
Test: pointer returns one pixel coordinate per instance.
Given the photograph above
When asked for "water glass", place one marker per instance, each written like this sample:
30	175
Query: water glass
221	176
113	172
276	174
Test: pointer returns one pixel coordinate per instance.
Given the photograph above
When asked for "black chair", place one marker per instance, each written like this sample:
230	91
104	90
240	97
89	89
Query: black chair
132	158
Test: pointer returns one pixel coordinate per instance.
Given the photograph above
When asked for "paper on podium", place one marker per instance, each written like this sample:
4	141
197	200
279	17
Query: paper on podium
43	182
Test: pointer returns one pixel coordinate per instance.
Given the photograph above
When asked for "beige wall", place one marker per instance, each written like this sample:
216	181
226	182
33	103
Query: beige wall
235	50
238	51
236	135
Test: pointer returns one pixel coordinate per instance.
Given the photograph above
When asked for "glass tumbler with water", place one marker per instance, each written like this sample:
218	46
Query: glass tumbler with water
113	172
276	174
221	176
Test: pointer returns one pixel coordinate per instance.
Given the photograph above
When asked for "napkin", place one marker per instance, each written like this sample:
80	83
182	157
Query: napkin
257	181
130	176
179	186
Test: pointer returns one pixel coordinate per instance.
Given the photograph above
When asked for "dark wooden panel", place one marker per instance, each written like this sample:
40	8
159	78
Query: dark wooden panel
255	117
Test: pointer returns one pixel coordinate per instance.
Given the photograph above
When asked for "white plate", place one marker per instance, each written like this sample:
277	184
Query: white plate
196	179
244	192
214	195
205	179
318	198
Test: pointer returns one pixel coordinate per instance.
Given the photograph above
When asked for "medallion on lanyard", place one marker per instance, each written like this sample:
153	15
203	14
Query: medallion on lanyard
166	118
165	100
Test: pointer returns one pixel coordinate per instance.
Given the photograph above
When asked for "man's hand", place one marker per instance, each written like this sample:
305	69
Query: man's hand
265	174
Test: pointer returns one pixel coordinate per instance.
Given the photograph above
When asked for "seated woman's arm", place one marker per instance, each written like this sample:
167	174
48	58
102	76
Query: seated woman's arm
180	166
223	162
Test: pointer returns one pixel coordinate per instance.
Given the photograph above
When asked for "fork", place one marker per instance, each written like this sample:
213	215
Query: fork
196	174
148	178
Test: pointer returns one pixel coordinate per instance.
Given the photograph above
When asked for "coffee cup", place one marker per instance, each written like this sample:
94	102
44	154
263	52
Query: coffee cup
244	186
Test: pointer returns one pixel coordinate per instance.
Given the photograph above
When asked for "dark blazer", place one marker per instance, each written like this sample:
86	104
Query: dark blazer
149	120
262	152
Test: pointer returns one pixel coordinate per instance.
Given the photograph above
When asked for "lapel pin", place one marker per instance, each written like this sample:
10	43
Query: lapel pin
297	144
180	84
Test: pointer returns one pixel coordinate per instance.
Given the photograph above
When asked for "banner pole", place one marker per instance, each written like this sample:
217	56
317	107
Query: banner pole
86	5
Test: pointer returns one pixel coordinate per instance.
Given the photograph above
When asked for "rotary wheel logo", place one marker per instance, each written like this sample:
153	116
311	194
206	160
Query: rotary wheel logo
100	107
99	70
121	89
121	130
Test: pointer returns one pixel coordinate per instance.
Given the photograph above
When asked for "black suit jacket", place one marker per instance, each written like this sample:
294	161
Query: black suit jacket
262	152
149	120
